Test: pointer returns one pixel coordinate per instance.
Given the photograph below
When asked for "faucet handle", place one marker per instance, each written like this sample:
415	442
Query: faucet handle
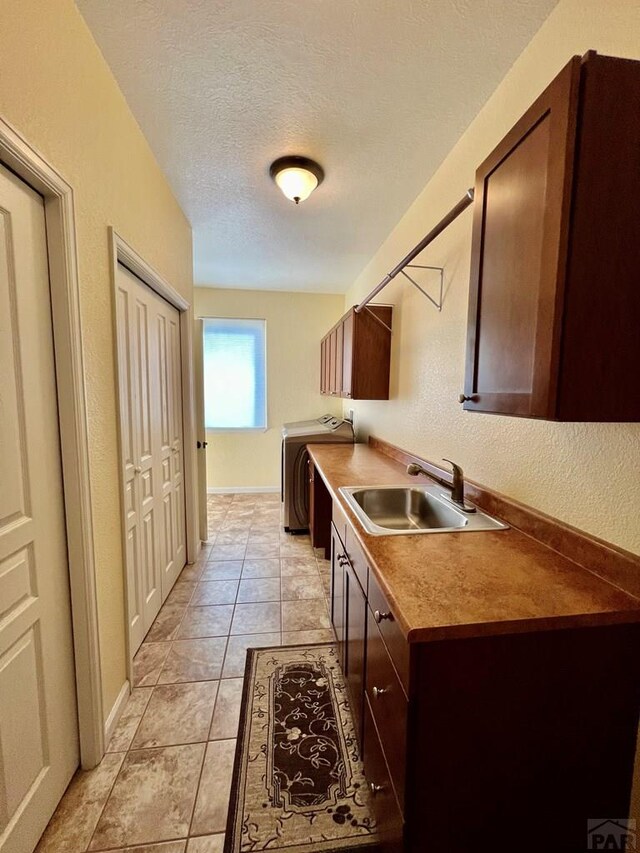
457	470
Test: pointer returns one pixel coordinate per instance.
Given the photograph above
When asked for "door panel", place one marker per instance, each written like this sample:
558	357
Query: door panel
177	444
146	421
347	356
355	639
126	338
38	717
201	431
337	593
151	425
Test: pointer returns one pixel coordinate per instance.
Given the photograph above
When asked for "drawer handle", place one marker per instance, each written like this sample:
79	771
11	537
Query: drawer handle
342	559
379	691
473	398
375	789
380	616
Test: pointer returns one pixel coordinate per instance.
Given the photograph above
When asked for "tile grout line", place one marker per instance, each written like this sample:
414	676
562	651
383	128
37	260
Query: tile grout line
173	637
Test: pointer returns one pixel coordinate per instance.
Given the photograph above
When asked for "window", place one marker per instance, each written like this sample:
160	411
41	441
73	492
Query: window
235	374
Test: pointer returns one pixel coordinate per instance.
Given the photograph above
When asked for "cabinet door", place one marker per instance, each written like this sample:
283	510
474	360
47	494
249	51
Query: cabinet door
347	356
310	481
337	592
338	371
384	802
520	226
332	363
355	645
327	365
323	366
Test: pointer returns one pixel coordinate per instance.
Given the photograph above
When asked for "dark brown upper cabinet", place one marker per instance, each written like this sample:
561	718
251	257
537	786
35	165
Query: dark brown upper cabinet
554	310
355	355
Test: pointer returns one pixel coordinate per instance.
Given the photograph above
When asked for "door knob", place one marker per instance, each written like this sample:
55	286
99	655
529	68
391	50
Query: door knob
378	692
380	616
462	398
201	444
137	470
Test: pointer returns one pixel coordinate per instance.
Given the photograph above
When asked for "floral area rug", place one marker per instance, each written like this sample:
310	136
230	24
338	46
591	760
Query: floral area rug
298	784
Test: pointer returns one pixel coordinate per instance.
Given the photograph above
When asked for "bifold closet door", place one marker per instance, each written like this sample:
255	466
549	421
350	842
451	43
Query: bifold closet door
152	453
170	461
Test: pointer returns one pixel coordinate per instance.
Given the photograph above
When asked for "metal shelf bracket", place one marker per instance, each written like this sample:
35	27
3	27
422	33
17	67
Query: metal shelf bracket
404	272
405	263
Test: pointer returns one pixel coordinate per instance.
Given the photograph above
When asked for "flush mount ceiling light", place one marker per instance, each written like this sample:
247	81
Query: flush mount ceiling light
297	177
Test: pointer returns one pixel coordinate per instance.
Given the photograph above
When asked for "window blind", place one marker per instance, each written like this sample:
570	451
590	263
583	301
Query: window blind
234	374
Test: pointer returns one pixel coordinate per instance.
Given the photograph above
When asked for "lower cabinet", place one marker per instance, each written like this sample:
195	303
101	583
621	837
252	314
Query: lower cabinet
385	804
349	616
490	742
337	592
355	644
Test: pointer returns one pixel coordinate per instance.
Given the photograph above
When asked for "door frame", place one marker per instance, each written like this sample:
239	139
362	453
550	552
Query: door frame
17	155
122	253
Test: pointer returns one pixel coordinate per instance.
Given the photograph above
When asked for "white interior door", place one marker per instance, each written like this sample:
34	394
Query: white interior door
38	716
170	472
128	372
201	432
152	448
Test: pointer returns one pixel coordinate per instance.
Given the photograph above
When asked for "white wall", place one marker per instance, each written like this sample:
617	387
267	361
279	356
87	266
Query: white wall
58	92
295	324
584	474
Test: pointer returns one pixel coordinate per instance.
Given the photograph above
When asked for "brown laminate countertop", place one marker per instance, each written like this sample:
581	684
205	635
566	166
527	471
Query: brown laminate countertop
481	583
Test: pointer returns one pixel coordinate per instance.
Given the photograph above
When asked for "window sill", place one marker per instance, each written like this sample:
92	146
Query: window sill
236	429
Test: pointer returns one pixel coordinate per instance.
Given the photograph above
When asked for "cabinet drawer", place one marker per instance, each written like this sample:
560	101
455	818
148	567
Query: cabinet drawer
383	799
356	558
394	639
388	705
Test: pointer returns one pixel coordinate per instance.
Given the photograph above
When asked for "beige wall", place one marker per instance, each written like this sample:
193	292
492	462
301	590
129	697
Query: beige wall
585	474
295	324
57	91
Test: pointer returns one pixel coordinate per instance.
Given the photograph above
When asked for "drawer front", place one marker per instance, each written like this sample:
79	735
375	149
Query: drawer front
383	799
356	558
388	705
392	635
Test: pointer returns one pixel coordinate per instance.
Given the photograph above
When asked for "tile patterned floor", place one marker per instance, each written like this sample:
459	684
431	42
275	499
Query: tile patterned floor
163	786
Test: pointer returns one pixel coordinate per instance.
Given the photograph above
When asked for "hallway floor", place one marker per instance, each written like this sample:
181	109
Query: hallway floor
163	786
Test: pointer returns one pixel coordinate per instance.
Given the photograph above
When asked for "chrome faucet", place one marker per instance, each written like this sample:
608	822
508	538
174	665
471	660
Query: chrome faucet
456	487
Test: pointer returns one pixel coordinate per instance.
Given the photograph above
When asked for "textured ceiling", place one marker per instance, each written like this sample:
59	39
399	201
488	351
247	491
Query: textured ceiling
377	91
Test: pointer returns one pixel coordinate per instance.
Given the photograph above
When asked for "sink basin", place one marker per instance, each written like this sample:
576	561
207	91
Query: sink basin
397	510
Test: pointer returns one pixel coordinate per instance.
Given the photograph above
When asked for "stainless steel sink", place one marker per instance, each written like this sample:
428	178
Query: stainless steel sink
398	510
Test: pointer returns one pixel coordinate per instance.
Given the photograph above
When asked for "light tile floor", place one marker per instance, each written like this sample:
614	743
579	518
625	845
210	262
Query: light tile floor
163	786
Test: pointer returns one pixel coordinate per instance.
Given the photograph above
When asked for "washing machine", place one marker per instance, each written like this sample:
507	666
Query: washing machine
294	490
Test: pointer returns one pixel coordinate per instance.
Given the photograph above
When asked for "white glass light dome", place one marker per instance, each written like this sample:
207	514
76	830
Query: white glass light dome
297	177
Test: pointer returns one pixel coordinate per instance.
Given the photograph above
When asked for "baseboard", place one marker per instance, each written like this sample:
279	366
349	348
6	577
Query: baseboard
242	490
116	712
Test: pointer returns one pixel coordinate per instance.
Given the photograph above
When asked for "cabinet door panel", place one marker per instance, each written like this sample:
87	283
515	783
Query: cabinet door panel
338	373
337	593
323	367
519	250
333	355
347	356
385	805
327	365
355	645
